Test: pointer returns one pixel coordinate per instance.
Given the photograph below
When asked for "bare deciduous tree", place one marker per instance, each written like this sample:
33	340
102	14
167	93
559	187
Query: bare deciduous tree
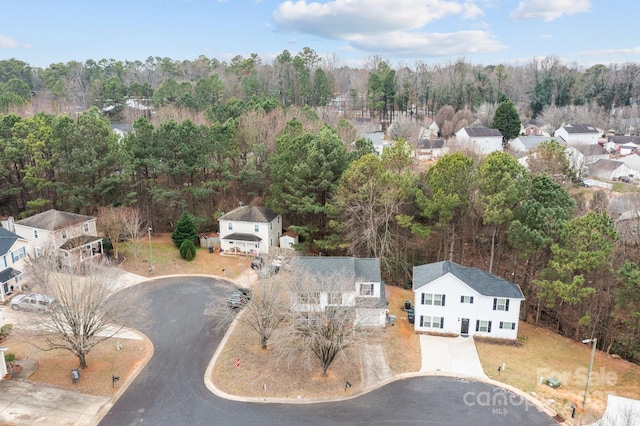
110	223
83	314
133	232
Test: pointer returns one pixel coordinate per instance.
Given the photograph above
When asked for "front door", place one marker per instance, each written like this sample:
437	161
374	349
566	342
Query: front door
464	328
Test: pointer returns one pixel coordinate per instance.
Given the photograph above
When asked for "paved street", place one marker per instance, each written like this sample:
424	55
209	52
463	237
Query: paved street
185	332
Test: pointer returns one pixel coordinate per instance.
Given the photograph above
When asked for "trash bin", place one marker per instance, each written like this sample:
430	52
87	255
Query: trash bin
392	319
407	305
411	315
75	375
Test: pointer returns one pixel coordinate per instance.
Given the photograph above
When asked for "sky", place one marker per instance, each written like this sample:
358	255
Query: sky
348	32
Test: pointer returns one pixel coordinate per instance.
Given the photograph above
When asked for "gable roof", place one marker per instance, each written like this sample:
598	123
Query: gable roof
621	140
593	149
254	214
7	274
606	165
367	269
533	141
52	220
580	128
533	122
7	240
430	144
481	281
476	132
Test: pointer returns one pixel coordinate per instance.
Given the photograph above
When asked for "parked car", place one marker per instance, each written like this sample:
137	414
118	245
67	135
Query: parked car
257	263
32	302
246	292
237	299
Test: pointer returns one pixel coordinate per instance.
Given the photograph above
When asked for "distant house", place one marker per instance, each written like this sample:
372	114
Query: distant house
480	140
632	161
528	144
250	229
454	299
610	170
623	145
73	236
430	149
360	289
13	251
578	134
581	156
535	127
627	226
121	129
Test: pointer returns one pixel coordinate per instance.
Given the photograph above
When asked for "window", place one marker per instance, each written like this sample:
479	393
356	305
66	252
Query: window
508	325
18	254
366	289
35	234
270	225
3	262
500	304
256	228
483	326
230	226
312	298
38	251
433	299
64	234
431	322
86	228
335	298
466	299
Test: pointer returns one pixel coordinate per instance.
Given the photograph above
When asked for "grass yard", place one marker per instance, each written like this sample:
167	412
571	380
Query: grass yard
105	360
268	375
543	353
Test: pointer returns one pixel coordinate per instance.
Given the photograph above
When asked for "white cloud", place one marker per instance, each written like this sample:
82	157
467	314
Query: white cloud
549	10
611	52
378	26
400	43
8	42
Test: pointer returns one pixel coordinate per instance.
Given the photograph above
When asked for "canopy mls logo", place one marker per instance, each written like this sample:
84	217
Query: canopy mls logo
499	400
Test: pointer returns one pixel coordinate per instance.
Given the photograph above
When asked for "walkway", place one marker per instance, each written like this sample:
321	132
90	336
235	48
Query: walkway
451	355
375	367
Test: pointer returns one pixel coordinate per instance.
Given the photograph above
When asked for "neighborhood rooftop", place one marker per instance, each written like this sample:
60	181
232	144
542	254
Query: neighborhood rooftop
254	214
482	131
580	128
7	239
481	281
52	220
364	270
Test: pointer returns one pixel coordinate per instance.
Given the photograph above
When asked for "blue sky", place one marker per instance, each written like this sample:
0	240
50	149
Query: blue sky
586	32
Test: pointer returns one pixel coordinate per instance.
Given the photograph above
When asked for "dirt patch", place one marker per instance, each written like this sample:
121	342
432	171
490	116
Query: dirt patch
542	354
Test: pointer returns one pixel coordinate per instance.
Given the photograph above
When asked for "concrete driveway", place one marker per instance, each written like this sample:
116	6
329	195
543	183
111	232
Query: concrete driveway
455	356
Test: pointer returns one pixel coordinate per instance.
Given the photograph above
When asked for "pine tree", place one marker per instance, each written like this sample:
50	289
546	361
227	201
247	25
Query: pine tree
185	230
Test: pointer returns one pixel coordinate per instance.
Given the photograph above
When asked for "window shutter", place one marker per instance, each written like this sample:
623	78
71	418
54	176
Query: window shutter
495	303
461	299
501	324
471	300
421	321
489	327
477	325
443	300
441	322
506	306
422	300
513	325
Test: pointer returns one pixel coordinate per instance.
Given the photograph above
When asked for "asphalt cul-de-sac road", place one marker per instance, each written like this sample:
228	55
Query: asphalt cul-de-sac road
180	319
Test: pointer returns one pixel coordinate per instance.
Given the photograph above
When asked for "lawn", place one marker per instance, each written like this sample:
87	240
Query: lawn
542	353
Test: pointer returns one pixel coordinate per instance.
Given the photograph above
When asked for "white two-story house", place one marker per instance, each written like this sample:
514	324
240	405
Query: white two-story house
327	282
73	236
480	140
250	229
578	134
454	299
13	250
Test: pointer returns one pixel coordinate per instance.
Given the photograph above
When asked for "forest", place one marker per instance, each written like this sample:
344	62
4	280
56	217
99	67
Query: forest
207	135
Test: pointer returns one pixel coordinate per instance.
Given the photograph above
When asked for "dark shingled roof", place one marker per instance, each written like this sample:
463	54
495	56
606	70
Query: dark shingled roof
7	239
593	149
476	132
253	214
481	281
364	269
52	220
430	144
237	236
580	128
606	165
7	274
624	139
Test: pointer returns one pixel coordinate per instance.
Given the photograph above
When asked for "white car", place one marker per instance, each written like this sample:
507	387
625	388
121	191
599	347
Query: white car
32	302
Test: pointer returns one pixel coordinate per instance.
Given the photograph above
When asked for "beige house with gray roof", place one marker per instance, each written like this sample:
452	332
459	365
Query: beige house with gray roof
250	230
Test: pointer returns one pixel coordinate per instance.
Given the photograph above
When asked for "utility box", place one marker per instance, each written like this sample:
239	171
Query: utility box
75	375
392	319
553	382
